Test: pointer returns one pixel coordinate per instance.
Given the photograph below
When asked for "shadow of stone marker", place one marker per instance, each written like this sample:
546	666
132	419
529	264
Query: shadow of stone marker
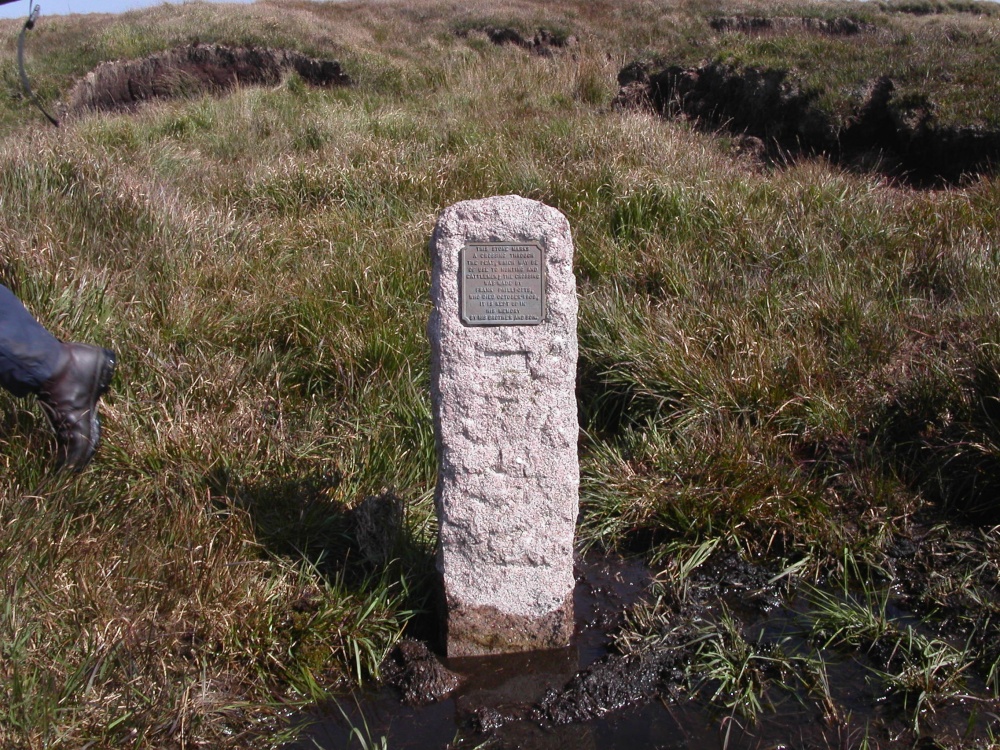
503	376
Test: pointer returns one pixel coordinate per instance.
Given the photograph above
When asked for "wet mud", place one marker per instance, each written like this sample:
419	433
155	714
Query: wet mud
533	700
636	675
418	674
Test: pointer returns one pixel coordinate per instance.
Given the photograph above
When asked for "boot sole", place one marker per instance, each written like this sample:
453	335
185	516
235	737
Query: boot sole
107	373
101	384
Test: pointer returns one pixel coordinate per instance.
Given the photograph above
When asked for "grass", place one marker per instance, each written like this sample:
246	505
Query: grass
901	50
834	648
795	361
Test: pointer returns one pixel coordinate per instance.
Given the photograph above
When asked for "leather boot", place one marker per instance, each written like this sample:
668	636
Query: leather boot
69	399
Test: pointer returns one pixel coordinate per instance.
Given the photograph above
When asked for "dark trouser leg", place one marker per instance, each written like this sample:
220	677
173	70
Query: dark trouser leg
29	354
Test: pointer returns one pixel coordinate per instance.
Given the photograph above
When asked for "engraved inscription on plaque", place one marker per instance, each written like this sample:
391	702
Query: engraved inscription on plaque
502	284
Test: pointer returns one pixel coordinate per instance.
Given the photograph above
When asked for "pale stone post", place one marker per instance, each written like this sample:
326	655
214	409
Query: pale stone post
503	376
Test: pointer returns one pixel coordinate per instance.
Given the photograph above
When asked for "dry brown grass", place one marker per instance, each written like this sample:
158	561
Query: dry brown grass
259	261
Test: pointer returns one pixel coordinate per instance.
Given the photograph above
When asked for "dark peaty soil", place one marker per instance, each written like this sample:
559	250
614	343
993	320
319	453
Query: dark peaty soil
418	674
545	42
840	26
184	71
900	137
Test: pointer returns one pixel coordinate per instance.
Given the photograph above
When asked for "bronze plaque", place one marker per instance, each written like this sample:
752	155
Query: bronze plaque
502	284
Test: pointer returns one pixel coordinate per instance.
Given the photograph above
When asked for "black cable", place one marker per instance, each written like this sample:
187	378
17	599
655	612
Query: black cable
28	25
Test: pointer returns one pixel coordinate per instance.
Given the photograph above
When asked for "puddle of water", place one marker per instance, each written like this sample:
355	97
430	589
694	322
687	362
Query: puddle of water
606	588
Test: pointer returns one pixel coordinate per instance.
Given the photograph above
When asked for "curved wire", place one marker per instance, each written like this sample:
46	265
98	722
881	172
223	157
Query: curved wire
28	25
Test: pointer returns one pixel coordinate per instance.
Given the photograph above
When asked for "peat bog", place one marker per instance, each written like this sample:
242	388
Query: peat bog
789	372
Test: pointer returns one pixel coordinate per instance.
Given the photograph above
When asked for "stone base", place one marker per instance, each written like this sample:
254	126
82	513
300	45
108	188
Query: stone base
484	630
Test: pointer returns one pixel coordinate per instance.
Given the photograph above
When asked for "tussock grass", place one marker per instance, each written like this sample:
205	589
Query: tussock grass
795	361
938	55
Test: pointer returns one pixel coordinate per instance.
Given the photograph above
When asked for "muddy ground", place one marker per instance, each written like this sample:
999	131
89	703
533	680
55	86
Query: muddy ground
641	669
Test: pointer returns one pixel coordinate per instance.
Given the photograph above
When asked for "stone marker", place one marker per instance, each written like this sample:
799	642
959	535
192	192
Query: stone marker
503	376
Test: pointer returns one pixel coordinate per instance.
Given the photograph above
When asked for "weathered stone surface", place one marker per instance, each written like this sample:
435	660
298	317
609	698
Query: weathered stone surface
506	425
488	630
